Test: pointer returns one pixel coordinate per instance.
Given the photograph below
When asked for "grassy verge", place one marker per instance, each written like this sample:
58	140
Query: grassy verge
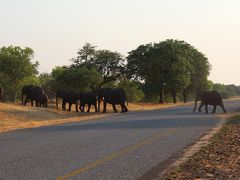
16	116
220	159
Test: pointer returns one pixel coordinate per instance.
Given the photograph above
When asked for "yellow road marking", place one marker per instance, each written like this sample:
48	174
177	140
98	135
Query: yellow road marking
112	156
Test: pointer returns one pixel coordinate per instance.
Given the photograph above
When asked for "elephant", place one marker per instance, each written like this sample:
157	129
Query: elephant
34	93
42	100
112	96
24	91
88	98
1	95
67	96
209	98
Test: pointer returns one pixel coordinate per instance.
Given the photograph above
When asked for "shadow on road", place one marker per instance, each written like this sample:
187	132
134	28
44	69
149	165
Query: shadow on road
132	124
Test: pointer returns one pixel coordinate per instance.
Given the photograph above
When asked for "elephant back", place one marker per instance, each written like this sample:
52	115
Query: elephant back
34	91
87	97
212	98
113	95
67	95
26	88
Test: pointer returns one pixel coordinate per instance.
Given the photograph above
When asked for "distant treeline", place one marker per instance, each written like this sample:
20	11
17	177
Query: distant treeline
170	70
227	91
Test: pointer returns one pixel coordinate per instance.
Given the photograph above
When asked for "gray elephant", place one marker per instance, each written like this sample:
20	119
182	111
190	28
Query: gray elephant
42	100
112	96
209	98
24	92
88	98
67	96
34	93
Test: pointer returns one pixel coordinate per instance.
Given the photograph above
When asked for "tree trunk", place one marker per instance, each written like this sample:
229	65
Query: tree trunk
174	94
161	101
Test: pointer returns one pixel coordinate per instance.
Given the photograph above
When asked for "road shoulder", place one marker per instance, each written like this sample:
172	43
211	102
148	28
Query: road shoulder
215	155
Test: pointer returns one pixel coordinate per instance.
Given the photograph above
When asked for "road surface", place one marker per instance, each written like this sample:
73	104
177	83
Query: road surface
124	146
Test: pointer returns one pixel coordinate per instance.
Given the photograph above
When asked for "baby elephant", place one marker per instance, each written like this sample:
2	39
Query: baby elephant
42	100
88	98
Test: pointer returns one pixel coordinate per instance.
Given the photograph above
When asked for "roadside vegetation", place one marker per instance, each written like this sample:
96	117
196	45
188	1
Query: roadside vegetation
168	71
153	74
218	160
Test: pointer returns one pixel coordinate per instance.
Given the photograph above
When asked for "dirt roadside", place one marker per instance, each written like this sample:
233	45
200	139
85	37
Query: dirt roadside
217	158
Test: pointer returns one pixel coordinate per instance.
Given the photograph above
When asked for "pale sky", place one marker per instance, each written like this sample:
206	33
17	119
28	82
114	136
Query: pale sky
56	29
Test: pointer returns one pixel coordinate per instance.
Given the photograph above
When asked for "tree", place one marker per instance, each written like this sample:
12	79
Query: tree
15	67
45	81
227	91
110	65
175	67
76	78
85	55
132	89
199	75
163	65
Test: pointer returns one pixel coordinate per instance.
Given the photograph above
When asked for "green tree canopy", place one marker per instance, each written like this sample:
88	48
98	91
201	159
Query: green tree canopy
16	66
170	64
76	78
110	65
132	89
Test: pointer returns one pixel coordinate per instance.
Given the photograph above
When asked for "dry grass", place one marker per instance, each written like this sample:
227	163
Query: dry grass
152	106
16	116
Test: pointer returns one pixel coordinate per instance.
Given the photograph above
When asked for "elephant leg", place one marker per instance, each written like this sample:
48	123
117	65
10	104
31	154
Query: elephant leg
83	108
214	108
200	107
114	108
64	106
89	107
76	107
70	106
126	109
104	106
206	108
95	105
25	102
223	108
123	108
31	102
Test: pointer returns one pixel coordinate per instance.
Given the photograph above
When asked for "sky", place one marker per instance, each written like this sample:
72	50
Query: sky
57	29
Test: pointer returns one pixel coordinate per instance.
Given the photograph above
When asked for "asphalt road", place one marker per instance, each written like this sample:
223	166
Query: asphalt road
124	146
